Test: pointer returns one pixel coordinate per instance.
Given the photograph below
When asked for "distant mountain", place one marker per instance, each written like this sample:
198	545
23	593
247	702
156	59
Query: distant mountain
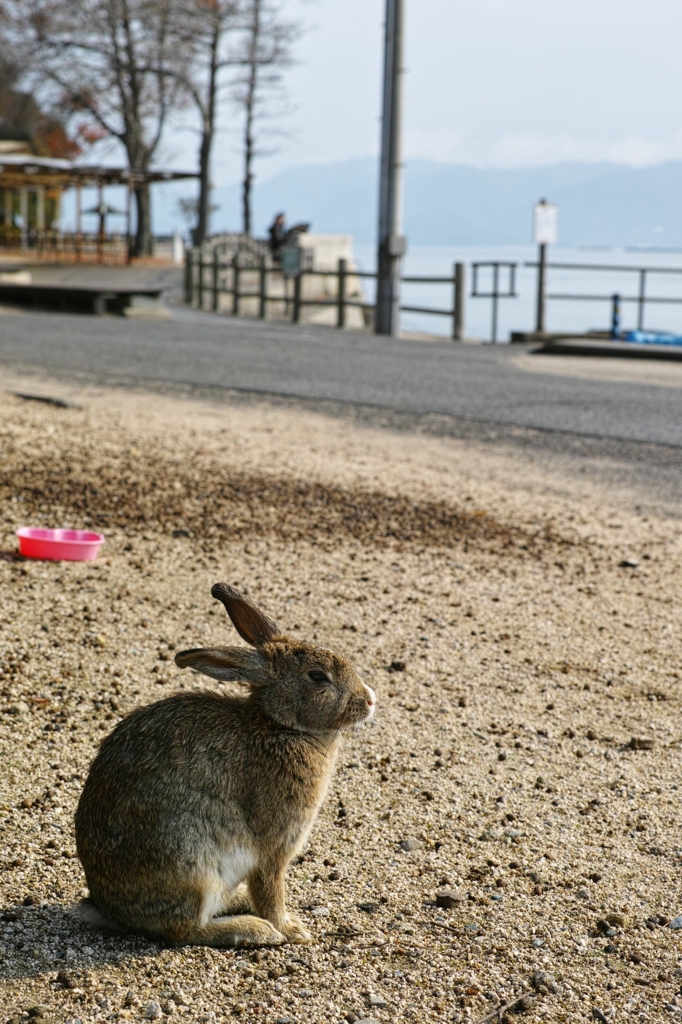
449	204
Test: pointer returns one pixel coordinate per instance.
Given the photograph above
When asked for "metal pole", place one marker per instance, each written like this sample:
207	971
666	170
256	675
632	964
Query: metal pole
40	216
615	317
296	315
59	237
189	277
391	242
459	290
493	332
9	215
102	223
641	300
23	209
341	311
263	300
216	280
79	222
542	262
235	279
129	213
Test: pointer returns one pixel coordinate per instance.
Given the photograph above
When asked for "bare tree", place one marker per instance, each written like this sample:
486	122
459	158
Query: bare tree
209	26
117	65
253	36
265	52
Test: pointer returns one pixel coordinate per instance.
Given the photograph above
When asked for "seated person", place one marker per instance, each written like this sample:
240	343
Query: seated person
278	236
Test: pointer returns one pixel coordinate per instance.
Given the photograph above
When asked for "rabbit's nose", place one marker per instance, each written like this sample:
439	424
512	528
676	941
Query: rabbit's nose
371	695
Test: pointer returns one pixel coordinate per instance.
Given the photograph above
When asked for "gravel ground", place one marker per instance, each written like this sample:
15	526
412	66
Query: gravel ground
526	751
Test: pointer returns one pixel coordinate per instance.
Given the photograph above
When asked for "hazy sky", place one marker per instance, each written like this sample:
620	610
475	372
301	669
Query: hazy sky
489	82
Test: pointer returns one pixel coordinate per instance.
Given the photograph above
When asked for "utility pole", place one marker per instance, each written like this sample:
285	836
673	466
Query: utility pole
391	241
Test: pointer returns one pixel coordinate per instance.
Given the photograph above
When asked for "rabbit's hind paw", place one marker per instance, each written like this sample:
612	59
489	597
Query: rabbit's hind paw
237	932
295	931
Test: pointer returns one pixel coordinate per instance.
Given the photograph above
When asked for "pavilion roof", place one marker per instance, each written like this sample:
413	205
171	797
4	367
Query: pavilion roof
27	171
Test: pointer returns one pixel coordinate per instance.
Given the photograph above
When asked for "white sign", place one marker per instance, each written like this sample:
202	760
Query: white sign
545	223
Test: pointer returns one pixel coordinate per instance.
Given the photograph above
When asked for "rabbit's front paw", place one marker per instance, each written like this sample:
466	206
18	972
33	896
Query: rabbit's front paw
295	931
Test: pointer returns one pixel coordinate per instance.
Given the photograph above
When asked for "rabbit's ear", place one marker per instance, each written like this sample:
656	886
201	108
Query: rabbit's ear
229	664
251	623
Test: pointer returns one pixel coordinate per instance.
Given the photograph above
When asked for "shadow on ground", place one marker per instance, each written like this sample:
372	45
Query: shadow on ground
48	938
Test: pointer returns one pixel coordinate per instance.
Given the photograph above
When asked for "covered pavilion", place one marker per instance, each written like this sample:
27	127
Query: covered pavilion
31	189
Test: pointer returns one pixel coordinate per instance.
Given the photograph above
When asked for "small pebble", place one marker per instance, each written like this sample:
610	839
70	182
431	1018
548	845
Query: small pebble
447	899
618	920
545	980
153	1011
641	743
409	844
676	923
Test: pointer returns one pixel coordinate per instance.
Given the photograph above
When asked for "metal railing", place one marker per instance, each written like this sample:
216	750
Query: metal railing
209	279
247	277
641	299
494	294
51	245
70	247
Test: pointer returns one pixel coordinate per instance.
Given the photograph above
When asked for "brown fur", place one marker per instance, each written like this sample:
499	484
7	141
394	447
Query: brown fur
194	794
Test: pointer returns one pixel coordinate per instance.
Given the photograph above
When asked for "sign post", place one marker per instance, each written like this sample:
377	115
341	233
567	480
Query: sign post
545	232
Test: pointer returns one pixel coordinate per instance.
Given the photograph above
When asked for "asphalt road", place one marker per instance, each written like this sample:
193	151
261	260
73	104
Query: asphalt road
470	382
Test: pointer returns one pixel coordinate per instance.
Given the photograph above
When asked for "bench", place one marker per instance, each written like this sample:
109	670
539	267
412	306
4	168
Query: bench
84	298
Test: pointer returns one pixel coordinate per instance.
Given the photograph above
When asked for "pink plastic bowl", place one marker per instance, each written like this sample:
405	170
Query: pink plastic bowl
58	545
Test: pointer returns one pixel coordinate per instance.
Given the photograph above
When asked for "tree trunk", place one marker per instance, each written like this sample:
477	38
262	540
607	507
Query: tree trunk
251	95
248	178
142	245
201	231
204	212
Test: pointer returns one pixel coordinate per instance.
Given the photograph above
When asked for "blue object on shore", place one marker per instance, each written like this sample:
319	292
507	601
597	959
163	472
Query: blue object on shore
652	338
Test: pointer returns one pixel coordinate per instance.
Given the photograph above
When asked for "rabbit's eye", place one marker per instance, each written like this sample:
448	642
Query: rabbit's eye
316	675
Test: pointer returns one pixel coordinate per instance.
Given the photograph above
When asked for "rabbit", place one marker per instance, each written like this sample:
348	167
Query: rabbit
195	794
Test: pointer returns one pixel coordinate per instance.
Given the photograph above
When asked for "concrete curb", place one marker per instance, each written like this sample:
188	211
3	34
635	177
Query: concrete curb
618	349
